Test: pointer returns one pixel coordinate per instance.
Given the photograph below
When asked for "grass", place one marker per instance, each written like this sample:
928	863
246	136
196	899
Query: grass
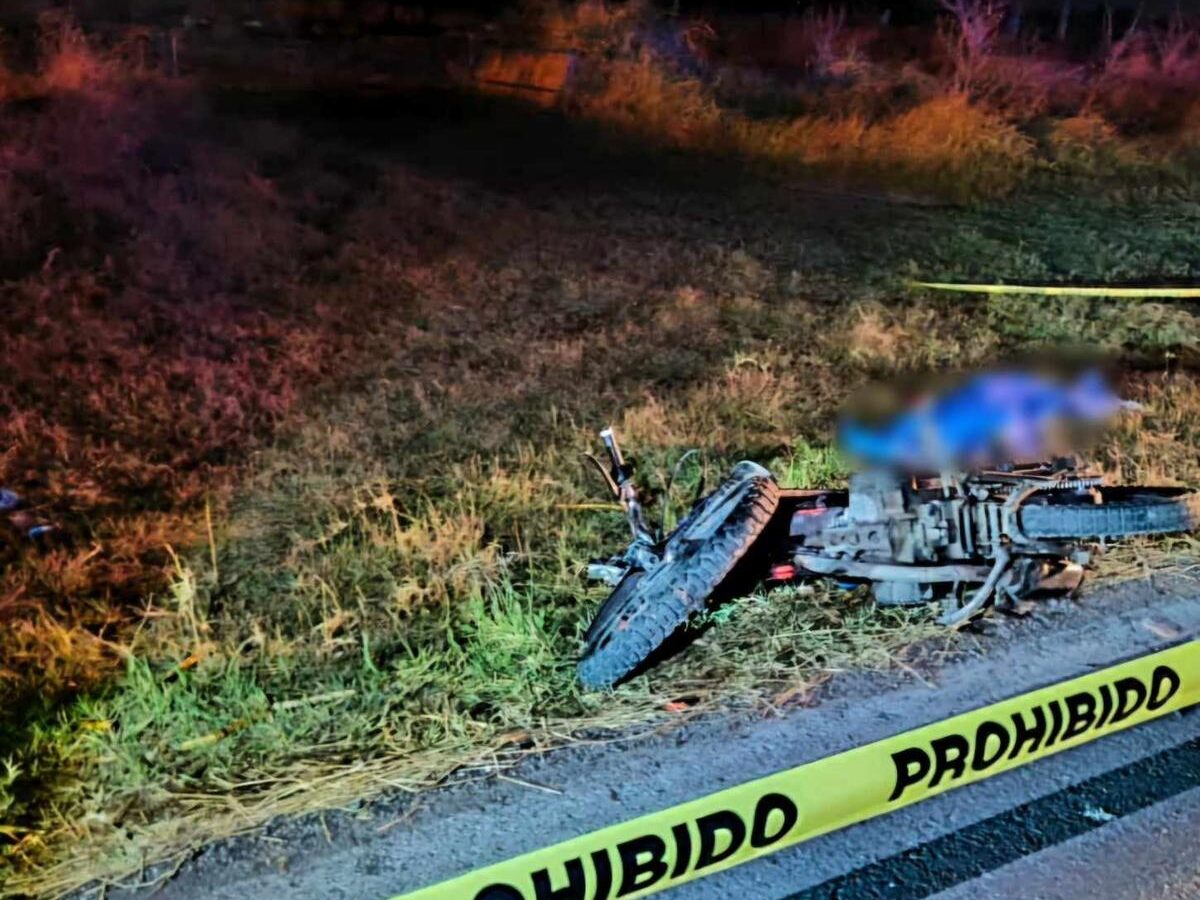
307	388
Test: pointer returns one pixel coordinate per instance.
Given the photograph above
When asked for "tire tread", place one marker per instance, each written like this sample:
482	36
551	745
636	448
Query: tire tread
1121	518
666	597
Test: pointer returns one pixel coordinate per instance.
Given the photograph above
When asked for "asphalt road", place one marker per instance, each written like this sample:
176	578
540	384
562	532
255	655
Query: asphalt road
1117	818
1150	855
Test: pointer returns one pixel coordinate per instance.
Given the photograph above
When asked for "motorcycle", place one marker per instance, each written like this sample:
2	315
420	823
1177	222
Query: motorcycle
972	539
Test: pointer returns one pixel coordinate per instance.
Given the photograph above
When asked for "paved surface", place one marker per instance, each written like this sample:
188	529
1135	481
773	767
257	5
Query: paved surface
1150	855
914	852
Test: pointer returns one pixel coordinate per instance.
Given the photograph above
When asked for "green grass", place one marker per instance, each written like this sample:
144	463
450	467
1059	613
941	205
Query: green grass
391	587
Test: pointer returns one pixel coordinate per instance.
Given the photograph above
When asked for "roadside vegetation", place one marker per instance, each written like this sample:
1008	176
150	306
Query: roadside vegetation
305	385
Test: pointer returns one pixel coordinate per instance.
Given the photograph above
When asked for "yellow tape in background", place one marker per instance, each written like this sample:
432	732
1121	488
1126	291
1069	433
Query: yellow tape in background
735	825
1060	290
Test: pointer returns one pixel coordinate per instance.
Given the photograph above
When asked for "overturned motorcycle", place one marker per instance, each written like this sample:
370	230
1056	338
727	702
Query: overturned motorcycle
970	539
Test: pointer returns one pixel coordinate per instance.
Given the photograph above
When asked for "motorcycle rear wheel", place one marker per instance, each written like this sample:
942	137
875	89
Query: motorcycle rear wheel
1121	512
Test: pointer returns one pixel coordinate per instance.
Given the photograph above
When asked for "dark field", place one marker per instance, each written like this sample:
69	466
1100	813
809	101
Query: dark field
304	377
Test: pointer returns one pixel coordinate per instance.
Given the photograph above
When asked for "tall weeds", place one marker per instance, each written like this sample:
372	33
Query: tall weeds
967	118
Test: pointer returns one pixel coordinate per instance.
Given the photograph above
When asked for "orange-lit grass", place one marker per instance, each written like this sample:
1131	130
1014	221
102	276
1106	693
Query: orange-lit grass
966	120
946	142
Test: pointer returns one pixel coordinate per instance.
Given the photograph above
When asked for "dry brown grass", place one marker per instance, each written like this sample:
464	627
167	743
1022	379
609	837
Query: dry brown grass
145	346
947	142
311	419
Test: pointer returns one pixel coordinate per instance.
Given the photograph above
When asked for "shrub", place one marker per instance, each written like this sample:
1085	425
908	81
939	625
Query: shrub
643	96
970	38
945	143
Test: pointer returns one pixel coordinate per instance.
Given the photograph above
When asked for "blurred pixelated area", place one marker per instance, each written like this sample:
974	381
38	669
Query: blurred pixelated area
310	309
985	420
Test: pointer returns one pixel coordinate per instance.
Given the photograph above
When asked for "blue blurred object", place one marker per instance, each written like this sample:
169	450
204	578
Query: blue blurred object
11	507
991	418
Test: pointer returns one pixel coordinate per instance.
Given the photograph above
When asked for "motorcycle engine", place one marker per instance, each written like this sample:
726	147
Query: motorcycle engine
889	520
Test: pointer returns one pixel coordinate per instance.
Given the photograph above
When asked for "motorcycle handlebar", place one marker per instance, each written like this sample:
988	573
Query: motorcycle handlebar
621	472
620	480
614	449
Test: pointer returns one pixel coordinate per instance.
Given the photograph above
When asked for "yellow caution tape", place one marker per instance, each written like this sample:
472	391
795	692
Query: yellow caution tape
1060	290
732	826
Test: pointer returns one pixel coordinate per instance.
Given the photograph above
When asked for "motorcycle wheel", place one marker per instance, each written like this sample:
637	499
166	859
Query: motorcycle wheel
1121	512
646	608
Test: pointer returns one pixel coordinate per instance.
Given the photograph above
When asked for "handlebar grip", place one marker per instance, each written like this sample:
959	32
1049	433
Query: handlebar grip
614	449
